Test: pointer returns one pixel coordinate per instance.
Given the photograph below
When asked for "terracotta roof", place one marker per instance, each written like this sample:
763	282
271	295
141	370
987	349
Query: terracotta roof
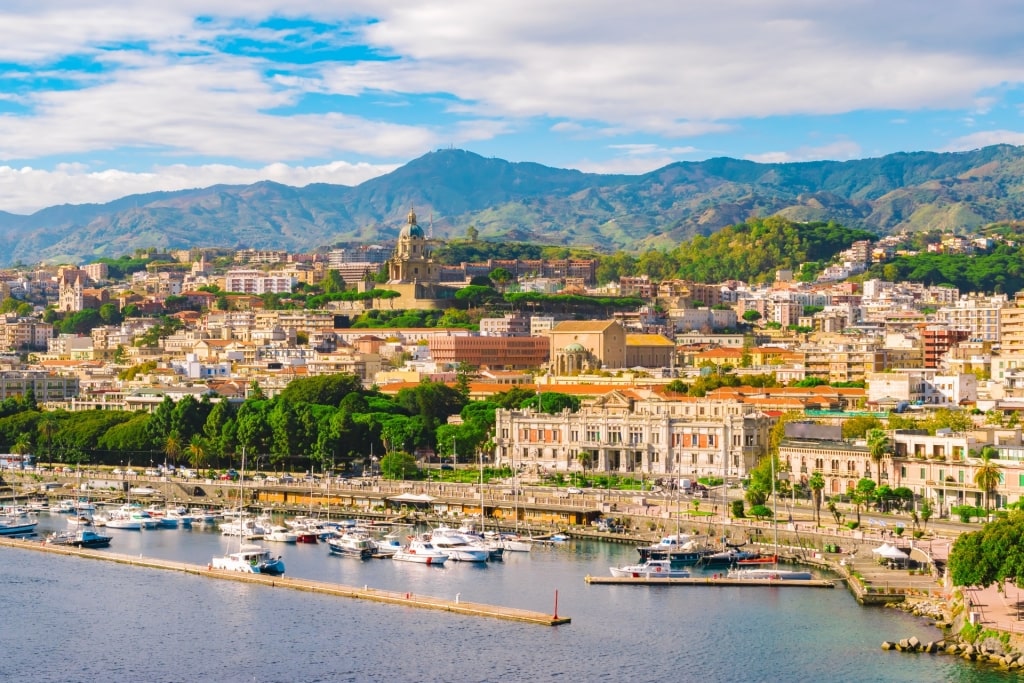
647	340
583	325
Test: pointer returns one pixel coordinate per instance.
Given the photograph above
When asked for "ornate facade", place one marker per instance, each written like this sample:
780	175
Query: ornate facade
641	436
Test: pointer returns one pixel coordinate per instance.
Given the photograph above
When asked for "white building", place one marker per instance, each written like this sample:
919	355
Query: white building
257	282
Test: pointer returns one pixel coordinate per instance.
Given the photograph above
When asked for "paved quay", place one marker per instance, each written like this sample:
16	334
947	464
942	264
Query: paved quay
475	609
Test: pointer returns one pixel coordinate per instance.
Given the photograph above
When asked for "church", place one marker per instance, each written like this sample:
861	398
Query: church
413	273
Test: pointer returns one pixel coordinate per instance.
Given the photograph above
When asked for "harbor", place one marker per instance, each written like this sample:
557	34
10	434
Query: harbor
722	580
321	587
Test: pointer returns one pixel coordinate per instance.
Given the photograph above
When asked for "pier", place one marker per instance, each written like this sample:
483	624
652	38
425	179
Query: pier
707	581
475	609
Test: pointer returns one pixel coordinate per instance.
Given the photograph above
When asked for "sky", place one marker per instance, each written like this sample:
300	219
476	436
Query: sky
101	98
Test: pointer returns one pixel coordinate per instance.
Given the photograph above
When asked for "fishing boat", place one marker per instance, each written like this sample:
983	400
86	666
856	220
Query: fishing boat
651	569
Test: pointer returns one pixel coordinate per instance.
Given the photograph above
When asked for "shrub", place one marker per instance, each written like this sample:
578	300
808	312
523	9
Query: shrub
737	509
899	531
853	525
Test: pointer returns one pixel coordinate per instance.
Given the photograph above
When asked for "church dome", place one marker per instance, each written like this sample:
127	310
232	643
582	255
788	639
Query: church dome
575	348
411	229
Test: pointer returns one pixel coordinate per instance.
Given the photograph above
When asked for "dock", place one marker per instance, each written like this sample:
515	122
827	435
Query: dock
707	581
456	606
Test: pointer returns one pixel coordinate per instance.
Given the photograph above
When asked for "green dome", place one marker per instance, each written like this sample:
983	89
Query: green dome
575	348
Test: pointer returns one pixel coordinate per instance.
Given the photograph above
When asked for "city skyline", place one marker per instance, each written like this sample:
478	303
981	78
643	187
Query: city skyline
102	100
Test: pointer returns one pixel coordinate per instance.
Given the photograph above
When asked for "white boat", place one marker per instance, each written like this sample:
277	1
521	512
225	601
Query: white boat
250	559
246	528
769	574
422	552
651	569
281	534
130	518
513	543
388	545
457	546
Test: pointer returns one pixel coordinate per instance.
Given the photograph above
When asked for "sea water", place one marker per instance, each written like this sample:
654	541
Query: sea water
73	619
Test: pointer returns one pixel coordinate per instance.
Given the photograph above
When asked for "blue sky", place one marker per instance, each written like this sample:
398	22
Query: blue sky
100	99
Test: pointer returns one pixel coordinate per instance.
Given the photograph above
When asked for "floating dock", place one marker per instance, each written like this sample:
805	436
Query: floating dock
708	581
475	609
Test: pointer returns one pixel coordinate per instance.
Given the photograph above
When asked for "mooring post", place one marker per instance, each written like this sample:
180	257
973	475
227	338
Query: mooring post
556	604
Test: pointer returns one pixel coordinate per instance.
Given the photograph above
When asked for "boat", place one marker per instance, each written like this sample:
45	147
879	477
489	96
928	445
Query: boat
17	524
457	546
770	573
281	534
84	537
422	552
388	545
680	549
250	559
352	544
651	569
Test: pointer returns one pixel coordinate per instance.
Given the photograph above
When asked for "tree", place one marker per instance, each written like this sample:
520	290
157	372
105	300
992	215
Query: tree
501	277
332	282
862	494
172	447
398	464
751	316
991	555
472	234
989	474
859	427
878	447
197	456
816	482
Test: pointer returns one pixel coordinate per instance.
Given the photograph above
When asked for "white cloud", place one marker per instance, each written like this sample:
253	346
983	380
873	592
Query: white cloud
984	139
841	149
25	190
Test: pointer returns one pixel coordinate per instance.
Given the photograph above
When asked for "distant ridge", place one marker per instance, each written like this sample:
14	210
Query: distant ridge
529	201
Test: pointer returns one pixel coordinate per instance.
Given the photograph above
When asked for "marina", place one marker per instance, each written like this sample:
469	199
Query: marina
730	632
705	581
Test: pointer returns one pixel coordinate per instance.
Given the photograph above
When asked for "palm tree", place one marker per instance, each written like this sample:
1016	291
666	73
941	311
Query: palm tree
817	483
878	448
989	474
172	447
197	453
48	429
584	458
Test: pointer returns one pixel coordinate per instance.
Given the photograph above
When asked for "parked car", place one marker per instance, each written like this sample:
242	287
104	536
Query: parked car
287	479
574	490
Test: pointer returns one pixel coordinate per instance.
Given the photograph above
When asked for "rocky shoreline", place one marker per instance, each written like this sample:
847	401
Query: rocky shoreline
991	651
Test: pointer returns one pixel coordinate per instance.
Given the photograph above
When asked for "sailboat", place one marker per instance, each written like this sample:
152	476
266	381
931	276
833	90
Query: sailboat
771	572
250	557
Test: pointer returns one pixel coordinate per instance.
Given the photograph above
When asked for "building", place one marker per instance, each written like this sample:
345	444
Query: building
627	433
244	281
510	325
45	386
938	340
587	345
509	353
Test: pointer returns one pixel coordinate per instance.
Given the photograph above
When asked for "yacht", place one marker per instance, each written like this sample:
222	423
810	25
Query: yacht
352	544
281	534
769	574
651	569
250	559
457	546
422	552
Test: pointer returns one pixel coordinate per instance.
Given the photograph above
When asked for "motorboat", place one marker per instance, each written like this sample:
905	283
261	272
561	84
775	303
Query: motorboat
281	534
250	559
422	552
651	569
84	537
769	574
680	549
249	529
388	545
352	544
458	547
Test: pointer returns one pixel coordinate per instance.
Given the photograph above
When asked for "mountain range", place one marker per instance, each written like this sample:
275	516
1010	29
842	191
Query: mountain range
451	189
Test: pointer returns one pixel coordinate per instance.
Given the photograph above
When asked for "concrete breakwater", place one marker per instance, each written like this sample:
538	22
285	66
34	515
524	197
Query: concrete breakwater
406	599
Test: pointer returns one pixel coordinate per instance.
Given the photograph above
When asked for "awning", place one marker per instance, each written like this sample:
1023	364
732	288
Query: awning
413	498
890	552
